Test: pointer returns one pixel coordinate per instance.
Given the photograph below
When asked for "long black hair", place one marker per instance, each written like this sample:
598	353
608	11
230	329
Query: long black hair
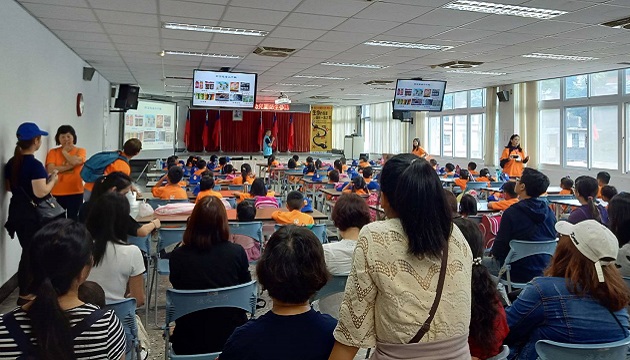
107	221
59	252
258	188
116	180
509	144
246	169
412	187
587	187
484	294
415	147
468	205
18	159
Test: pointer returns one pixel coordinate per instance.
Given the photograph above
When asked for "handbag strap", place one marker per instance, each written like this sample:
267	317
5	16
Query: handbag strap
30	199
438	295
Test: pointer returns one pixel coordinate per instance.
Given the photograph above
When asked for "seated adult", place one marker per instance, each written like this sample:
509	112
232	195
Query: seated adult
530	219
207	260
510	197
61	258
581	299
619	215
586	190
291	269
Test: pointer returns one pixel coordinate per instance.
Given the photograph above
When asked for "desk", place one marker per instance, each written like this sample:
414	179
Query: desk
331	192
482	207
554	190
149	195
261	166
261	215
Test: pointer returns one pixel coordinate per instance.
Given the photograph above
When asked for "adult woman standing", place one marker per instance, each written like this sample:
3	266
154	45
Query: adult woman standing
28	181
417	149
513	157
68	160
207	260
268	141
387	303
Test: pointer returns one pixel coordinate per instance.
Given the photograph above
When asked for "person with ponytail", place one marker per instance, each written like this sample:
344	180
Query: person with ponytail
417	149
57	324
27	180
488	325
586	190
247	176
397	268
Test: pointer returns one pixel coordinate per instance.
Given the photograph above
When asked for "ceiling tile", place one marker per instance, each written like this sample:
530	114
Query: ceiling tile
141	6
417	31
287	43
564	5
595	15
465	35
71	25
140	40
186	35
446	17
592	32
500	23
346	37
76	3
80	35
254	16
183	45
118	29
121	17
508	38
326	46
191	9
281	5
296	33
233	49
60	12
239	25
153	48
345	8
365	25
392	12
312	21
549	27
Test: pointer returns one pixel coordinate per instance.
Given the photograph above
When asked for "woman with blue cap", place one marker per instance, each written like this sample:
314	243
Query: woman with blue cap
28	181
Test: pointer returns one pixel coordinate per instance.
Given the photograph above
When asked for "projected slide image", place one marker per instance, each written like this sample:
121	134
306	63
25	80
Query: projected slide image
153	123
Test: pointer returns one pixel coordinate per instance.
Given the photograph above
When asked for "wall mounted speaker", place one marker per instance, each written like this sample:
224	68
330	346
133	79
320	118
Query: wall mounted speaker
503	96
127	97
88	73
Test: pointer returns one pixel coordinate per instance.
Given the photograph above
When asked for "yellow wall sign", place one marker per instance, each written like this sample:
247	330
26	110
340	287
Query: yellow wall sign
321	127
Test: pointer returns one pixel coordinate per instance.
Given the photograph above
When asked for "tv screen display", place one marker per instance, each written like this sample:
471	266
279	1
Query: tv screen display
224	89
419	95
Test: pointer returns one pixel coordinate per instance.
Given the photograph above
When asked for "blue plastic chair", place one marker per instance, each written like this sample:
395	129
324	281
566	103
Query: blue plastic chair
505	351
166	238
318	229
551	350
520	249
496	183
144	243
184	302
231	201
217	187
125	311
475	185
337	284
235	187
159	202
251	229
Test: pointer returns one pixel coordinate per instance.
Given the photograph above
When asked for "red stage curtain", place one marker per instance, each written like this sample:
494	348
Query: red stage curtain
242	136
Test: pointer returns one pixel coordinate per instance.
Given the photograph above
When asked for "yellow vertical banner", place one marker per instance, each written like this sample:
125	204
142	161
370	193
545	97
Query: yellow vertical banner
321	127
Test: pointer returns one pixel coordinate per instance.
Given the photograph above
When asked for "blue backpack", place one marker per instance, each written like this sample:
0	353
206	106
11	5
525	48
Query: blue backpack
95	166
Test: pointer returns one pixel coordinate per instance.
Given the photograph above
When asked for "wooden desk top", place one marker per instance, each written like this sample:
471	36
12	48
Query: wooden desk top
261	215
331	192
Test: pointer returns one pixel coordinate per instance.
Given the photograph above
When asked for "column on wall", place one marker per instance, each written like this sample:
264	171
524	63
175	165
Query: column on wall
490	141
526	113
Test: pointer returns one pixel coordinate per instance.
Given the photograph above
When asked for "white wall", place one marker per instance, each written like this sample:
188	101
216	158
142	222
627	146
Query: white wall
40	78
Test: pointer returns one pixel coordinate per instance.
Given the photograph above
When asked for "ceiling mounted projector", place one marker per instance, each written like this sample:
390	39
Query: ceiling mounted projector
283	99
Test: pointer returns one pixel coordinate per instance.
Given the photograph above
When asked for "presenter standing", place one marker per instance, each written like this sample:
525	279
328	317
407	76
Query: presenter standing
417	149
514	158
268	141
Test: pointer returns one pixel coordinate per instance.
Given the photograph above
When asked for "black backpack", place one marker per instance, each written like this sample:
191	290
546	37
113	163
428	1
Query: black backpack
23	342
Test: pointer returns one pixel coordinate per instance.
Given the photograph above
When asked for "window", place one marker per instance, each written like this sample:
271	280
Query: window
604	135
447	136
604	83
627	73
576	127
476	136
549	136
576	87
460	100
460	144
549	89
435	135
476	98
448	102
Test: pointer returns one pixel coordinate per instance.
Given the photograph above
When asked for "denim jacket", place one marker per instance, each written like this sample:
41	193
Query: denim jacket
547	310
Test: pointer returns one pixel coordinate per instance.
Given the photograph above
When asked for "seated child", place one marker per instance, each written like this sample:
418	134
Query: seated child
603	178
201	167
462	181
212	164
245	212
333	177
356	186
172	190
309	169
472	168
434	164
363	162
192	161
292	270
608	192
170	161
318	164
258	188
309	160
467	206
449	170
367	176
229	172
272	162
567	186
222	162
509	195
247	176
295	203
338	165
344	166
206	187
484	176
92	293
296	159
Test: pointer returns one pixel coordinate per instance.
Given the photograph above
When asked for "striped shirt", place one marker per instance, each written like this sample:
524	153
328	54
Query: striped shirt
105	339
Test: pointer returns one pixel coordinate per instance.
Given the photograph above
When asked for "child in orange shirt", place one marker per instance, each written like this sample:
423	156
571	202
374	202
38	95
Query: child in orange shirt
567	186
258	188
206	185
484	176
509	195
295	202
463	179
172	190
450	170
202	166
363	162
472	168
246	176
357	186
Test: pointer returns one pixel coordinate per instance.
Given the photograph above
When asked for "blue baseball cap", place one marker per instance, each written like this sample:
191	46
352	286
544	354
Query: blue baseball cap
28	131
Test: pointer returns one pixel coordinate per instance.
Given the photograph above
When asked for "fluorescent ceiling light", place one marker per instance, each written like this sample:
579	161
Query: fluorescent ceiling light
214	29
473	72
502	9
304	85
366	66
407	45
318	77
190	53
559	57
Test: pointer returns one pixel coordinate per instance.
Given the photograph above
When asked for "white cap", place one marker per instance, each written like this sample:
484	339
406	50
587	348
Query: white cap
593	240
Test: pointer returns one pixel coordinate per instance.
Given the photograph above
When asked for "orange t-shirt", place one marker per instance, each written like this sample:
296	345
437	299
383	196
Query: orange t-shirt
420	152
70	182
483	179
344	167
169	192
363	164
295	217
239	180
117	166
358	192
599	192
461	183
473	172
245	195
502	205
513	168
204	193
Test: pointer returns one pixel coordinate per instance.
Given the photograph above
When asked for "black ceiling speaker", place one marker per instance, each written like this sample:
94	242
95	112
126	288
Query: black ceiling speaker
127	97
503	95
88	73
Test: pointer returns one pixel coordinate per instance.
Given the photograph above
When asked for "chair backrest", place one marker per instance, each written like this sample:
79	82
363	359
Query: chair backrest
551	350
476	185
520	249
235	187
125	311
318	229
169	236
253	229
489	227
336	284
144	243
184	302
505	351
159	202
217	187
231	201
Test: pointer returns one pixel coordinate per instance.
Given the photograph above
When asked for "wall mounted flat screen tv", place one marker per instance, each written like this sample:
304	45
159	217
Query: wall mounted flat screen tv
419	95
224	89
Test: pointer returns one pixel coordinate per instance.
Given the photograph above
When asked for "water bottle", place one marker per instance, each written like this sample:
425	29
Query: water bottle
158	164
498	177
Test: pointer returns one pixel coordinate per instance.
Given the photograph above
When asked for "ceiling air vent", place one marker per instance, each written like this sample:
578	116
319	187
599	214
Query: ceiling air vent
320	97
378	82
618	24
273	51
459	64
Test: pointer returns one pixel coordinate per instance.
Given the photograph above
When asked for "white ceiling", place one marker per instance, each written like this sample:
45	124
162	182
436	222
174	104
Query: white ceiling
122	39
